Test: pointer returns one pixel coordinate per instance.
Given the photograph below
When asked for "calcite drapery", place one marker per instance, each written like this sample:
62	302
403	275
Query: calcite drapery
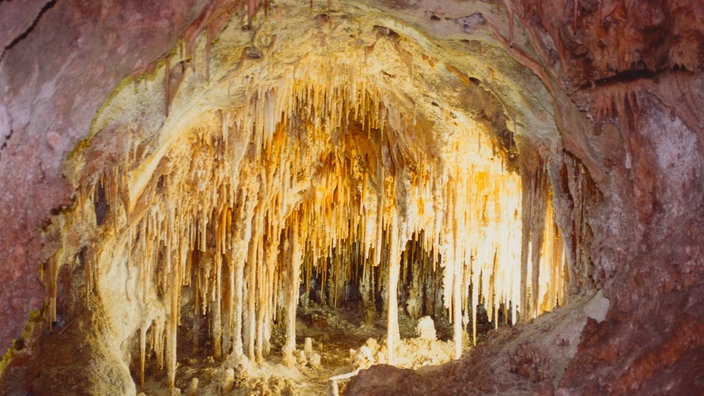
328	161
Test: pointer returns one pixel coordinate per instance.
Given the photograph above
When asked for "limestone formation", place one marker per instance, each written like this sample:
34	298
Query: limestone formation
188	184
426	328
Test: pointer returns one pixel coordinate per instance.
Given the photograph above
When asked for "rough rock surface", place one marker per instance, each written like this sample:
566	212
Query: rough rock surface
635	70
522	360
59	62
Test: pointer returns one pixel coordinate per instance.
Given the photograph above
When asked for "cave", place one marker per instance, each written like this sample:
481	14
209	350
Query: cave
368	197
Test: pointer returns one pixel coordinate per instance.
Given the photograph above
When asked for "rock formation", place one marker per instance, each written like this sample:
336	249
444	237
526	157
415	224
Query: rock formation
170	170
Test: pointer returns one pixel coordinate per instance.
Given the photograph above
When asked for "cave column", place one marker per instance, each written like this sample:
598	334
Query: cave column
457	307
238	282
239	257
456	264
172	327
295	261
215	308
249	331
392	331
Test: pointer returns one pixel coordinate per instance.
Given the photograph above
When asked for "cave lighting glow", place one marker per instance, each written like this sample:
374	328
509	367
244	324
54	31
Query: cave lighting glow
325	171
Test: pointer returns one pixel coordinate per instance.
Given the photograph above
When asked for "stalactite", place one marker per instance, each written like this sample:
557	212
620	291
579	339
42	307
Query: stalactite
171	340
326	176
158	343
142	354
392	330
217	325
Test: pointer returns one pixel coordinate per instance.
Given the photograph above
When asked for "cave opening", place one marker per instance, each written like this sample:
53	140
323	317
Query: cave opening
236	241
250	202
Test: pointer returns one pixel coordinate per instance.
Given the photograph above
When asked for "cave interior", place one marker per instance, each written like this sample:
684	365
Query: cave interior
366	197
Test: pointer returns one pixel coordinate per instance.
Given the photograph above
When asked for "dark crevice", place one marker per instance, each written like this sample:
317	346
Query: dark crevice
625	76
386	32
4	143
56	210
100	204
29	29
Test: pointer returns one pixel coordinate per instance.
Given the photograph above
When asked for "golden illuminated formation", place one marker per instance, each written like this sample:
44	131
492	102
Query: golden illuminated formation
268	179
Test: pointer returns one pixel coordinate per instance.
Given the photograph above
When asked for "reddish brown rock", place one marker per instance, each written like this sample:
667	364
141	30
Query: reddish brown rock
55	71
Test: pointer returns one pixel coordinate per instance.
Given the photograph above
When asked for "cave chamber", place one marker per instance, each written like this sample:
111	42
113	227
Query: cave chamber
339	157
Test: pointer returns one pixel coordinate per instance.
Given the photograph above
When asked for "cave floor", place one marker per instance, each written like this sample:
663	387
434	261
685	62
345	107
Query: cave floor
341	341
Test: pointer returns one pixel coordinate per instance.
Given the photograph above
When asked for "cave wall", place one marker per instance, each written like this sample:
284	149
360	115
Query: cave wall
59	62
634	70
626	78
